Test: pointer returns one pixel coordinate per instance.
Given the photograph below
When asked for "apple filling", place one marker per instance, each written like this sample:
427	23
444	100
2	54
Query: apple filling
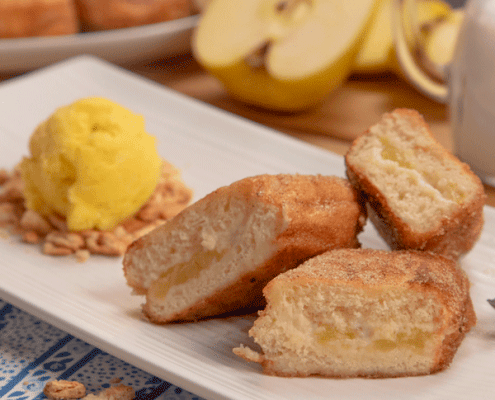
392	153
329	333
415	340
182	272
404	159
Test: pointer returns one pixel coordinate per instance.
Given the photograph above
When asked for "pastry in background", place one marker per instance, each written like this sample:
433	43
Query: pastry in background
363	313
217	255
96	15
419	195
199	6
26	18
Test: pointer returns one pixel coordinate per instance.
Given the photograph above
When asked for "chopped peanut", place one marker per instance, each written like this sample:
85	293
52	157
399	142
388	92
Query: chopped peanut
31	237
7	213
4	176
67	390
52	250
58	222
69	240
82	255
32	221
12	189
59	390
105	243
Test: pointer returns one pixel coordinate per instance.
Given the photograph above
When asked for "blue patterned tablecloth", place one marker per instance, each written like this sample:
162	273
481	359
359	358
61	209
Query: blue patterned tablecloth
33	352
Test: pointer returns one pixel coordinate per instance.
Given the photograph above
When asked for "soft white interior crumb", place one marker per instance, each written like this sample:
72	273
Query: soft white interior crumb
319	328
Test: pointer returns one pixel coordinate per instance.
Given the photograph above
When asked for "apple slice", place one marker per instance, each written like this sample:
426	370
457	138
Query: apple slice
441	37
281	54
377	54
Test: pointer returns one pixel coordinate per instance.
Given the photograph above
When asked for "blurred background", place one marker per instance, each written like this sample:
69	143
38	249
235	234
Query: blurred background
186	49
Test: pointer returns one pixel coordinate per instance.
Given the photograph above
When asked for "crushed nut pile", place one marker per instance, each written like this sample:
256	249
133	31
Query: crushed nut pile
169	198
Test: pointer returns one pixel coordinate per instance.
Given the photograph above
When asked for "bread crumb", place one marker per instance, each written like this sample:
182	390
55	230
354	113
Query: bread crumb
82	255
248	354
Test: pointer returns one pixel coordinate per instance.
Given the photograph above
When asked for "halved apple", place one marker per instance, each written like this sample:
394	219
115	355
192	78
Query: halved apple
281	54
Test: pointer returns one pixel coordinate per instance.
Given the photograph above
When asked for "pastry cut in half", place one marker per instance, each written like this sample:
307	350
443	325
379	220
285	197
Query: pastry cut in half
419	195
217	255
363	313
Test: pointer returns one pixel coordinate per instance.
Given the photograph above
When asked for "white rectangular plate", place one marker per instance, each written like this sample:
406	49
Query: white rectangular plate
212	148
120	46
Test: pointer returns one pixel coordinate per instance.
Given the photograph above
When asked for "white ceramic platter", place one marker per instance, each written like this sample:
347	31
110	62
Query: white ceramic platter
121	46
212	148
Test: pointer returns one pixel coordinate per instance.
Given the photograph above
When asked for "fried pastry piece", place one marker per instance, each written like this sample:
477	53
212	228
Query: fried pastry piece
27	18
217	255
96	15
363	313
419	195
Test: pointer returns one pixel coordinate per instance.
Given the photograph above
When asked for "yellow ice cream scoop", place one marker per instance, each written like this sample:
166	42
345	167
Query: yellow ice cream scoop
91	161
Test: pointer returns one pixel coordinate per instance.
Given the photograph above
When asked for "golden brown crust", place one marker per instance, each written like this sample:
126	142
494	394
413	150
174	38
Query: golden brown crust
457	232
27	18
369	270
456	236
108	14
320	213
